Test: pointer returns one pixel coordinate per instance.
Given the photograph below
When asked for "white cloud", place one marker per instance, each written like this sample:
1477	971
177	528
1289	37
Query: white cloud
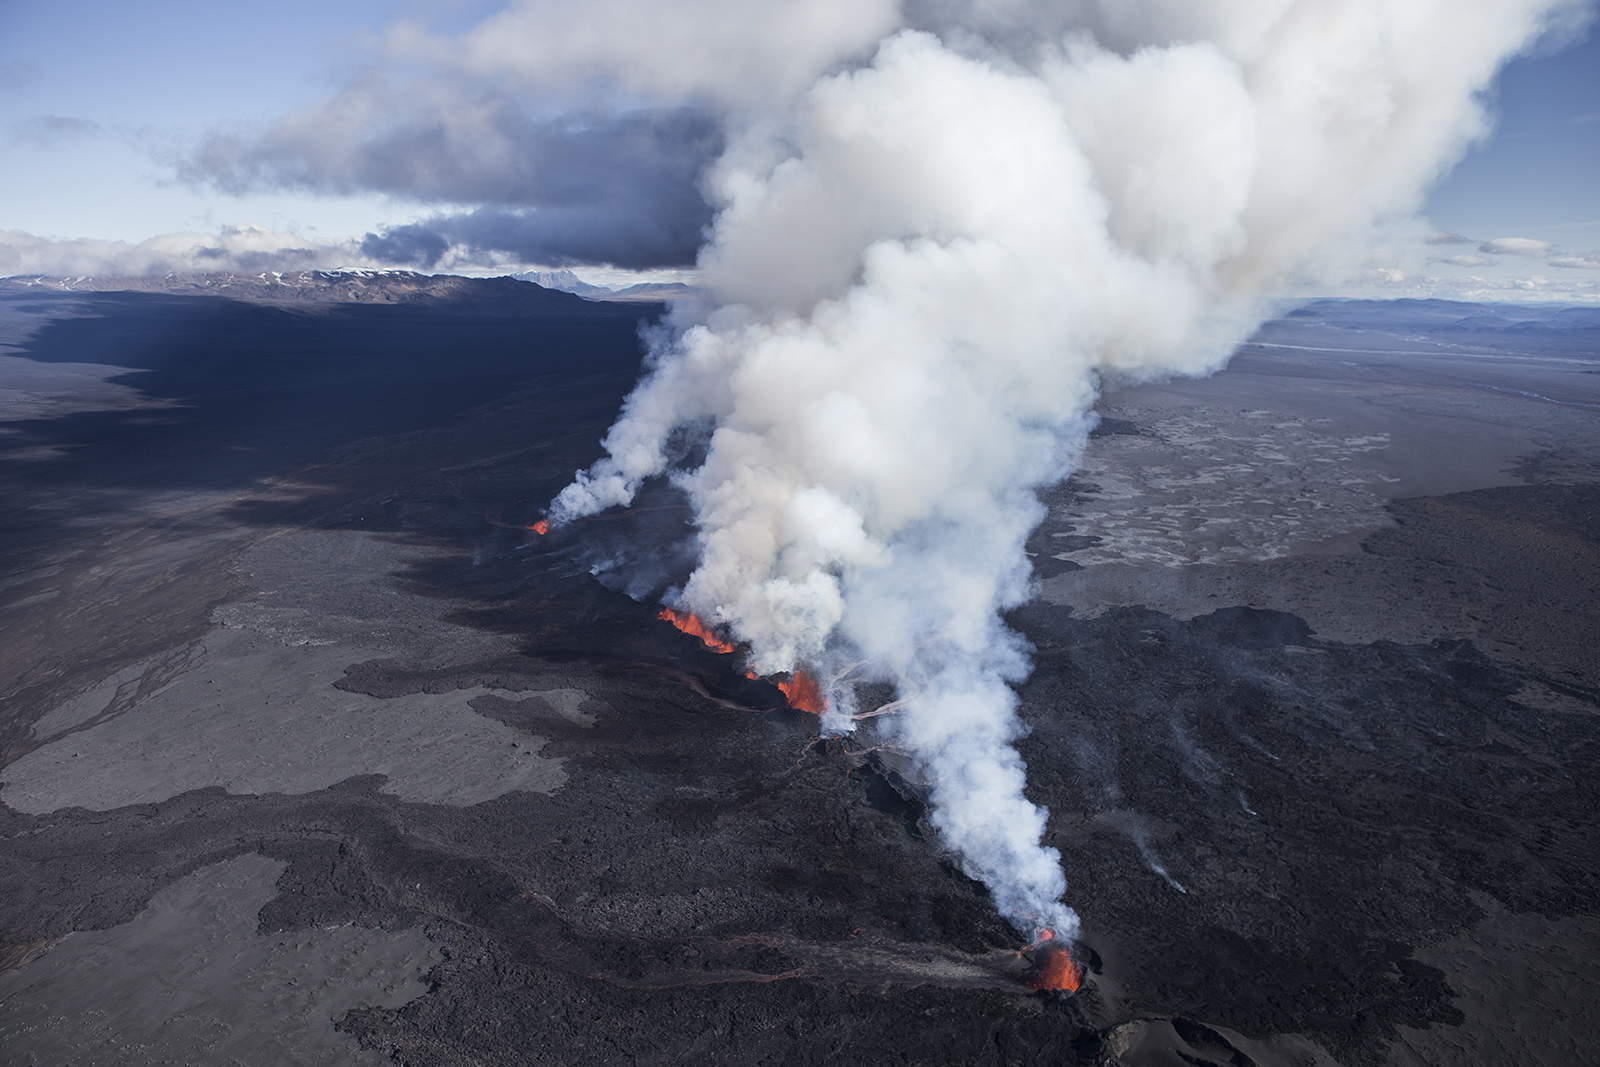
740	55
1465	260
251	249
233	248
1589	260
1516	246
1572	288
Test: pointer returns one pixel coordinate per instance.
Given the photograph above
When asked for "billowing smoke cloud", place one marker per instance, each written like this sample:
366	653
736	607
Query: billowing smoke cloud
927	262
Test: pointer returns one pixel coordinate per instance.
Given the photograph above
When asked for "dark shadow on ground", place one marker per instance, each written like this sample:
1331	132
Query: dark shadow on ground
250	390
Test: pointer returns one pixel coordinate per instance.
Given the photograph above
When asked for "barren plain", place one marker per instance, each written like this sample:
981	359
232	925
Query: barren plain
311	752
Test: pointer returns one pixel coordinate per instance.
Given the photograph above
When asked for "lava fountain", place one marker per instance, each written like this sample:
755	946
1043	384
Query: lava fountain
1054	967
803	693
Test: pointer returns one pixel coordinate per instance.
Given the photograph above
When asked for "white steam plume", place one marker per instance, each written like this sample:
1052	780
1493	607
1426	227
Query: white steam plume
926	265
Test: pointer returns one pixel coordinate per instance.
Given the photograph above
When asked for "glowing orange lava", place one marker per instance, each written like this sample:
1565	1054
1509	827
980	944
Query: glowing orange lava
690	624
803	693
541	527
1057	968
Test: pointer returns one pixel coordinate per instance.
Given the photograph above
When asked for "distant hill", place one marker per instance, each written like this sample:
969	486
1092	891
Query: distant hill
1448	315
1557	329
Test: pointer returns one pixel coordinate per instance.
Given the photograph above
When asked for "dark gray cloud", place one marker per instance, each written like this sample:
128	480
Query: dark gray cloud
557	236
405	246
216	257
619	188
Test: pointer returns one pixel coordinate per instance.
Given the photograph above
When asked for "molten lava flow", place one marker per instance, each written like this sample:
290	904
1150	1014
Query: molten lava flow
541	527
801	690
691	624
803	693
1057	969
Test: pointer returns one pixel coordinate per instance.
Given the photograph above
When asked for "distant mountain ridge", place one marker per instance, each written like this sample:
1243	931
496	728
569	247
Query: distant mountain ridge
304	286
1458	315
644	292
563	280
323	287
359	287
652	292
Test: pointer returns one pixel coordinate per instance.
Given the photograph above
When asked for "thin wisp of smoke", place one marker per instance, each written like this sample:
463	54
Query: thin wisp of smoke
926	264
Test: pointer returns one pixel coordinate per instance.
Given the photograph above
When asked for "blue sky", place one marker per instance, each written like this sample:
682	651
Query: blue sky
1539	175
97	99
146	79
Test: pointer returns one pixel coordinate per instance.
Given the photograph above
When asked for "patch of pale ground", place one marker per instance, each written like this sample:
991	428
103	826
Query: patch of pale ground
1524	983
1214	486
1270	459
252	706
1354	599
346	588
1164	1042
30	389
254	716
1218	504
191	979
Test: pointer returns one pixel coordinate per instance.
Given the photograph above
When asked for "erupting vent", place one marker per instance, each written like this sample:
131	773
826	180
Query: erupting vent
1058	970
1054	967
691	624
801	691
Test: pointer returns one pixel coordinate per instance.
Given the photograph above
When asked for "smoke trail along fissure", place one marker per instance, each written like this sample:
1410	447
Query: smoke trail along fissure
916	304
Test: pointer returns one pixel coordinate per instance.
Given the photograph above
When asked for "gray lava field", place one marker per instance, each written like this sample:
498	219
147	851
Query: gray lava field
312	752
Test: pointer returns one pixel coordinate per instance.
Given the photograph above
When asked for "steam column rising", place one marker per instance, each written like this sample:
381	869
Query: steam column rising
924	269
